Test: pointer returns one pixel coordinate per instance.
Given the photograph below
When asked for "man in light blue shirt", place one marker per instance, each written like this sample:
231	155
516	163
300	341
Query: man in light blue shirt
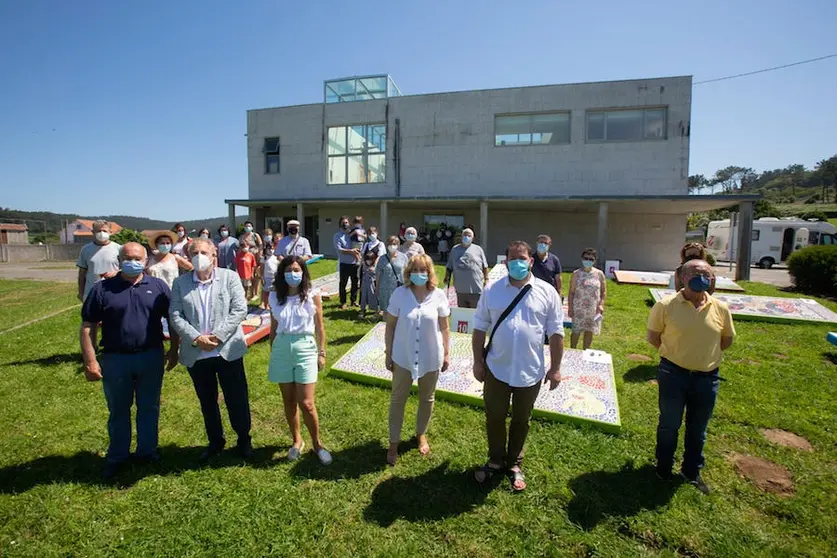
348	259
293	244
227	247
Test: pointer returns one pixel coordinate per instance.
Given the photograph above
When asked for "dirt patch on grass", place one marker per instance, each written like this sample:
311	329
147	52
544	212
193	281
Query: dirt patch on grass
766	475
638	358
787	439
653	382
747	361
780	356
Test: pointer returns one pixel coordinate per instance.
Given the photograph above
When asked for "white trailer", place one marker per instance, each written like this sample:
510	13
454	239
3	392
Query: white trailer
774	239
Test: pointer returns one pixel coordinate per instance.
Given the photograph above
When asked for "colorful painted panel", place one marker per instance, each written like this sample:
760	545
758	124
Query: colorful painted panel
587	393
664	279
328	285
768	308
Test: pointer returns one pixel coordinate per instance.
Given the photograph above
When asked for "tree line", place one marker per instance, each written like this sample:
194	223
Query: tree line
791	184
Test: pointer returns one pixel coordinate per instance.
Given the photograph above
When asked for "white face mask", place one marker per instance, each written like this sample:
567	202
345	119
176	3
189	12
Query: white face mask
201	262
102	236
392	248
181	234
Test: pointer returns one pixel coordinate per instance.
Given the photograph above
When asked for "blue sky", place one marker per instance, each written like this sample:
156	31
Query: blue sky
139	107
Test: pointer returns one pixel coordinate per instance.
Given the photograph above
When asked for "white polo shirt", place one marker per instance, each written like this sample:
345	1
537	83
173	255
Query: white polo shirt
417	343
517	357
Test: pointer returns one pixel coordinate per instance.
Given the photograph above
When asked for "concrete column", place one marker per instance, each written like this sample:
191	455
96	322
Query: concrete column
745	237
231	217
300	216
601	235
383	226
483	238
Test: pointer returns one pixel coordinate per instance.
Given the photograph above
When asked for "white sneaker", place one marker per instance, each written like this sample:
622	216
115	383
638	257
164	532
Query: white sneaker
324	456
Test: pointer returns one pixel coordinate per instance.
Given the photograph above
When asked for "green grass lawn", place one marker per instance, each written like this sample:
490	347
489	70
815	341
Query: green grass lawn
590	494
22	301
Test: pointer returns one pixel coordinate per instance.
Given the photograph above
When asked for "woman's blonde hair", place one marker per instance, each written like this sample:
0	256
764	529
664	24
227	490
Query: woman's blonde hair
428	263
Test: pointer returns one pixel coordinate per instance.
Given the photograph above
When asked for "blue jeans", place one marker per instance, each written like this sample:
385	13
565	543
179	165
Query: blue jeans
124	377
696	393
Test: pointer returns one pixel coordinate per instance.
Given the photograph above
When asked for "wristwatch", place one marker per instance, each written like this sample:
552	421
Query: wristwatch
195	341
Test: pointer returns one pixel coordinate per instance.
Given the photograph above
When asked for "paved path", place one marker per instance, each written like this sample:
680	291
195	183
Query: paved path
777	276
60	272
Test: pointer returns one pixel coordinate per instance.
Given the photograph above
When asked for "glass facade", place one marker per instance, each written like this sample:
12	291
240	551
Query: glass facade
532	129
357	154
626	125
360	89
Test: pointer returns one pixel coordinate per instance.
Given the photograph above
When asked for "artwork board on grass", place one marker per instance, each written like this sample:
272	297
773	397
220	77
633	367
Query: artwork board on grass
587	394
327	285
663	279
768	308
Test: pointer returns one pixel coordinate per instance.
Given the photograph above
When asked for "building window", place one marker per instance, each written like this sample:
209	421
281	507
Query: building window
271	155
626	125
357	154
532	129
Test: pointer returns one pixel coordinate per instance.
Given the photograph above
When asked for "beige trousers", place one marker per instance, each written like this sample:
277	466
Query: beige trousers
402	381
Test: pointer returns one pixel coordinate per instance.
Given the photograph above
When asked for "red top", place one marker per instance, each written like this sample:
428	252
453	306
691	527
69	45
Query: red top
245	262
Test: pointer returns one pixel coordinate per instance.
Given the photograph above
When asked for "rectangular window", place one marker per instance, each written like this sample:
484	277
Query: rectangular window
532	129
271	155
626	125
357	154
756	235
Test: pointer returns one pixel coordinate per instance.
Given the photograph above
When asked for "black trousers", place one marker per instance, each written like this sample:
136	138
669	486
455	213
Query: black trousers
206	375
349	272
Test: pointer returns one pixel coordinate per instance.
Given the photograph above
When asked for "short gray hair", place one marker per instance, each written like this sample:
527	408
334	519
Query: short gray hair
99	224
201	241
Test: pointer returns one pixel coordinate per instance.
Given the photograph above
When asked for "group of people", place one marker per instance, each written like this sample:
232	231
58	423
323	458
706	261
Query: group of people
204	304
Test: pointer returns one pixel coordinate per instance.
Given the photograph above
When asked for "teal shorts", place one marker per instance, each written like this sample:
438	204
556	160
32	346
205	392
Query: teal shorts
293	359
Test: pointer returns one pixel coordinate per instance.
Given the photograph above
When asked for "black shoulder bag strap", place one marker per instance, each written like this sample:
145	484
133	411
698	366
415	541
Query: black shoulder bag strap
505	315
397	280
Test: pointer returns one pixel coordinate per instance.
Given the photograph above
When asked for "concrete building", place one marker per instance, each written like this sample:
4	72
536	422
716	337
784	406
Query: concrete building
11	233
80	231
601	164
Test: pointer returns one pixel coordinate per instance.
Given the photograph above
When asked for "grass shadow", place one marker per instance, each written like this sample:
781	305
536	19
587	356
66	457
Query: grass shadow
650	303
641	373
347	339
350	314
623	493
434	495
85	467
350	463
830	356
53	360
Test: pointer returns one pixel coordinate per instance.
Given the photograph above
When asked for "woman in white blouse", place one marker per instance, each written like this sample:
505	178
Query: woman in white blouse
417	347
296	357
163	263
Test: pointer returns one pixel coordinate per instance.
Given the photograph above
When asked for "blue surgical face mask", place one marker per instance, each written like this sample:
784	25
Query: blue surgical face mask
248	229
518	269
373	237
410	237
293	278
587	263
699	283
543	247
418	279
267	238
164	248
467	240
132	268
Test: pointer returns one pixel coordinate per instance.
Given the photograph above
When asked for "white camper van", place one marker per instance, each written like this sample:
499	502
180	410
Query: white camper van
774	239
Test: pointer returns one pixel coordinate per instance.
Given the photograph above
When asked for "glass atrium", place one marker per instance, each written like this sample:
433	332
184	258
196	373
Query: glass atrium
360	89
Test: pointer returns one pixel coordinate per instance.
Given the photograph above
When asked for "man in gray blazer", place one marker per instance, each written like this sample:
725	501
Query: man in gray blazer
207	308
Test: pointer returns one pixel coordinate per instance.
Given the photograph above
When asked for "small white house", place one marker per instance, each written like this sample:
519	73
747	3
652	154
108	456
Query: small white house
774	239
80	231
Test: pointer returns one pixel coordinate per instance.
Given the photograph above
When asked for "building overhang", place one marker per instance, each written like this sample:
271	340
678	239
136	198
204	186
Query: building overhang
660	205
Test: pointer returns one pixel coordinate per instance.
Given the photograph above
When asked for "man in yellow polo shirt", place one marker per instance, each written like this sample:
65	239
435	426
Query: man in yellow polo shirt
690	330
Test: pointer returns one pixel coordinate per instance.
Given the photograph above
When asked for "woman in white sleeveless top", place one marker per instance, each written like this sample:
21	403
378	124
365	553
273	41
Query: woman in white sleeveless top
163	263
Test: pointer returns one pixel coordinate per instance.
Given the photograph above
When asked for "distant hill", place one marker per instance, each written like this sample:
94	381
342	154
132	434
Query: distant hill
55	221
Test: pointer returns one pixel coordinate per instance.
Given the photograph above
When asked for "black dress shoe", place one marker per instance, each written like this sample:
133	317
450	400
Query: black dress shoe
148	459
110	470
697	482
209	453
245	451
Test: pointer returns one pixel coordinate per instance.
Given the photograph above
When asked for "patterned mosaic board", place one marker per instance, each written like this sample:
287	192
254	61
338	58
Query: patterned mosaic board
663	279
328	285
586	395
256	326
768	308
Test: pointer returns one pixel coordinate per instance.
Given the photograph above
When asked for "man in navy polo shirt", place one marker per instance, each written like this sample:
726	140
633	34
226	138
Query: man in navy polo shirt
546	265
130	307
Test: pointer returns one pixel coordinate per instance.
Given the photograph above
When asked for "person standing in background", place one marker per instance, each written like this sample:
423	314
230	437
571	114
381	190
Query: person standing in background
162	263
245	264
586	300
227	248
411	246
348	259
181	245
97	260
294	244
389	273
371	251
205	234
468	267
547	266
